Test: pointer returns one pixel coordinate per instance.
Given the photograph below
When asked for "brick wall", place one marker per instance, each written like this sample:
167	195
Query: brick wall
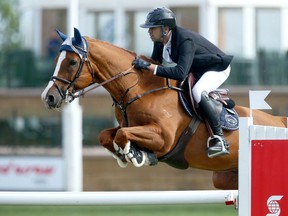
103	173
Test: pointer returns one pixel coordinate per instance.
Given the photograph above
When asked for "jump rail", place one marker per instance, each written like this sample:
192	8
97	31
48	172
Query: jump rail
116	198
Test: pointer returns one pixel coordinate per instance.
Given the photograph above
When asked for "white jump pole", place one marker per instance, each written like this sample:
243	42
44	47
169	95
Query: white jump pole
72	123
244	173
116	198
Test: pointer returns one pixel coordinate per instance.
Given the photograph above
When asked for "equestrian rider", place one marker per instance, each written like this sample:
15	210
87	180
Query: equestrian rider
183	51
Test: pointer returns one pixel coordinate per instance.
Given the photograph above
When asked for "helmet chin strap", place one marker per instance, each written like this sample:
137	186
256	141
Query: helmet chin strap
164	34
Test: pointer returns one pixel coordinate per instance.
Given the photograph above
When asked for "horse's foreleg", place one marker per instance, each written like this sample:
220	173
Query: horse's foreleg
148	138
106	138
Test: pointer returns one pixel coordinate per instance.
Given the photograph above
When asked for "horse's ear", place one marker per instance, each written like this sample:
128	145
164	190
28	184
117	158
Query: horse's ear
62	35
77	36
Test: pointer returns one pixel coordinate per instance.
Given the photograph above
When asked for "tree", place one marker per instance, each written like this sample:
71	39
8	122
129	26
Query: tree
9	40
9	25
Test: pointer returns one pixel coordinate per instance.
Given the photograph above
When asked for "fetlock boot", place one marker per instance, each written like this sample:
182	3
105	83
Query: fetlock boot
217	144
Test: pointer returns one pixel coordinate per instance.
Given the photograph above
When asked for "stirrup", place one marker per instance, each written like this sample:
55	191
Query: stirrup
223	147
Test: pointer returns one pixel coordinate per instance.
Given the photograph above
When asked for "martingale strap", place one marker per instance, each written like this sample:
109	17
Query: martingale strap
168	86
123	106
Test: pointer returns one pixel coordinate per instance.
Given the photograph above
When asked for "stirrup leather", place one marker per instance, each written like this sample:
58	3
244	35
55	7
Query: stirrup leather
223	147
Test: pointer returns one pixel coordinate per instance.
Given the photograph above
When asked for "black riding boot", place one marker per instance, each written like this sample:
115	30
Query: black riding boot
217	145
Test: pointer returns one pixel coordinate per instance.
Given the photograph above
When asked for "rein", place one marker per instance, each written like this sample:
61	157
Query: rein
96	85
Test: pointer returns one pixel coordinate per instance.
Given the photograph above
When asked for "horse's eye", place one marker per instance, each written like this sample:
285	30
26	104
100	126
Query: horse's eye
73	62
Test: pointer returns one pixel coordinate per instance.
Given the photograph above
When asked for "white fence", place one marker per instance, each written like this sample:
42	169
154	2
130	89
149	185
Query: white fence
116	198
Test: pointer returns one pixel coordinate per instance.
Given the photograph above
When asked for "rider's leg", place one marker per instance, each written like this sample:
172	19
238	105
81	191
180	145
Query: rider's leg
219	145
210	81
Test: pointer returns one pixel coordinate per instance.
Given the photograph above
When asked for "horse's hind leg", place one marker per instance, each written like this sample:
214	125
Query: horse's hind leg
226	180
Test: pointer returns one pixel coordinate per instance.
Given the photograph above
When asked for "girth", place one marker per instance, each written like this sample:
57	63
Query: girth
175	157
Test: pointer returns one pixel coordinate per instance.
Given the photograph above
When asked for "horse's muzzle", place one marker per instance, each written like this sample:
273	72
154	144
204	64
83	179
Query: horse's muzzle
52	99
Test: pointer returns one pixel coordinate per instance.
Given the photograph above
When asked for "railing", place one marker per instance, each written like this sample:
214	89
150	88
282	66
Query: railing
23	69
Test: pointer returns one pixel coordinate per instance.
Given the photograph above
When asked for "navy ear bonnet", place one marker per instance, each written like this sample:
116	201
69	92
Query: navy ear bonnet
77	44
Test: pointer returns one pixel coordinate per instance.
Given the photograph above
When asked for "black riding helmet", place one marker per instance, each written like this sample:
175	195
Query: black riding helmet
160	17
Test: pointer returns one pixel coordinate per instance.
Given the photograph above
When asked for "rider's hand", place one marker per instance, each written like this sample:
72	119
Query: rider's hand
140	64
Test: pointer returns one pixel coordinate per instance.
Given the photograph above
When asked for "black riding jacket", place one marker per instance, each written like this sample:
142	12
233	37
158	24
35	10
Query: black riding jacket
192	53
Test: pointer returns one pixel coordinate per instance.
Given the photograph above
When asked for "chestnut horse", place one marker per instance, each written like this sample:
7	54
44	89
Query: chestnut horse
149	114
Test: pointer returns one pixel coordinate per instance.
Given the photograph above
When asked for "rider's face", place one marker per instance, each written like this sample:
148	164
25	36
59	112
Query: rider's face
155	34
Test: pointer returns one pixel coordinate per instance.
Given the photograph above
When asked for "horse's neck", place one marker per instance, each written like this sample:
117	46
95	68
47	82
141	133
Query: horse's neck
108	61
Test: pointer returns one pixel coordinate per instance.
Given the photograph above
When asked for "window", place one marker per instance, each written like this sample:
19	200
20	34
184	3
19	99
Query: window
187	17
230	31
268	30
52	19
105	26
143	43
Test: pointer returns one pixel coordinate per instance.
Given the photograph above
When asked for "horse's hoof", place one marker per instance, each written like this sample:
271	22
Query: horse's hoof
120	162
117	149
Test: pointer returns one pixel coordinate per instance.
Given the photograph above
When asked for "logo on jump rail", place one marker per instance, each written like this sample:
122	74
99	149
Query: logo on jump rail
273	206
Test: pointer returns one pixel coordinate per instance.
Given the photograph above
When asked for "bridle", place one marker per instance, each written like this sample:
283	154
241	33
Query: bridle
83	54
70	94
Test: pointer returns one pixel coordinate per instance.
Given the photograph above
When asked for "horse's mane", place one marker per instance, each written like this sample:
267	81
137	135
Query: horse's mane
112	45
134	54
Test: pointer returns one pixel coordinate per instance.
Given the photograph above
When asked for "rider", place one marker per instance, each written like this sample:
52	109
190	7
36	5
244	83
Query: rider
183	51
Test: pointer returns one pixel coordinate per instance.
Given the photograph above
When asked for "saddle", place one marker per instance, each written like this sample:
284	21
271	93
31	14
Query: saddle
224	105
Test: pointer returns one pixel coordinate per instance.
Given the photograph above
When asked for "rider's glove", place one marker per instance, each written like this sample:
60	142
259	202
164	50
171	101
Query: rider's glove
140	64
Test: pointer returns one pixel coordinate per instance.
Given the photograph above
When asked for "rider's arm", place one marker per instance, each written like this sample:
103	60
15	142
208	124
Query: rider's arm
181	70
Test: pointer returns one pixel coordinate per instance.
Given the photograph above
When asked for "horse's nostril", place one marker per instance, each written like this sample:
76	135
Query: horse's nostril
50	99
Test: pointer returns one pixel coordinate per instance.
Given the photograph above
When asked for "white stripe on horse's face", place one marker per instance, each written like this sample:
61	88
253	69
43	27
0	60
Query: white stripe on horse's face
56	71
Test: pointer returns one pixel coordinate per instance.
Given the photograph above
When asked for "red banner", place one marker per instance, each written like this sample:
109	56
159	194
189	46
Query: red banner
269	178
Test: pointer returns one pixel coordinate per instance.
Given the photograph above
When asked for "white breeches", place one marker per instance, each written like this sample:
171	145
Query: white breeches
209	81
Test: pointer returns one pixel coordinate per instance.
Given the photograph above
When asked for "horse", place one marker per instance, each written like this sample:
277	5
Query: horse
147	108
